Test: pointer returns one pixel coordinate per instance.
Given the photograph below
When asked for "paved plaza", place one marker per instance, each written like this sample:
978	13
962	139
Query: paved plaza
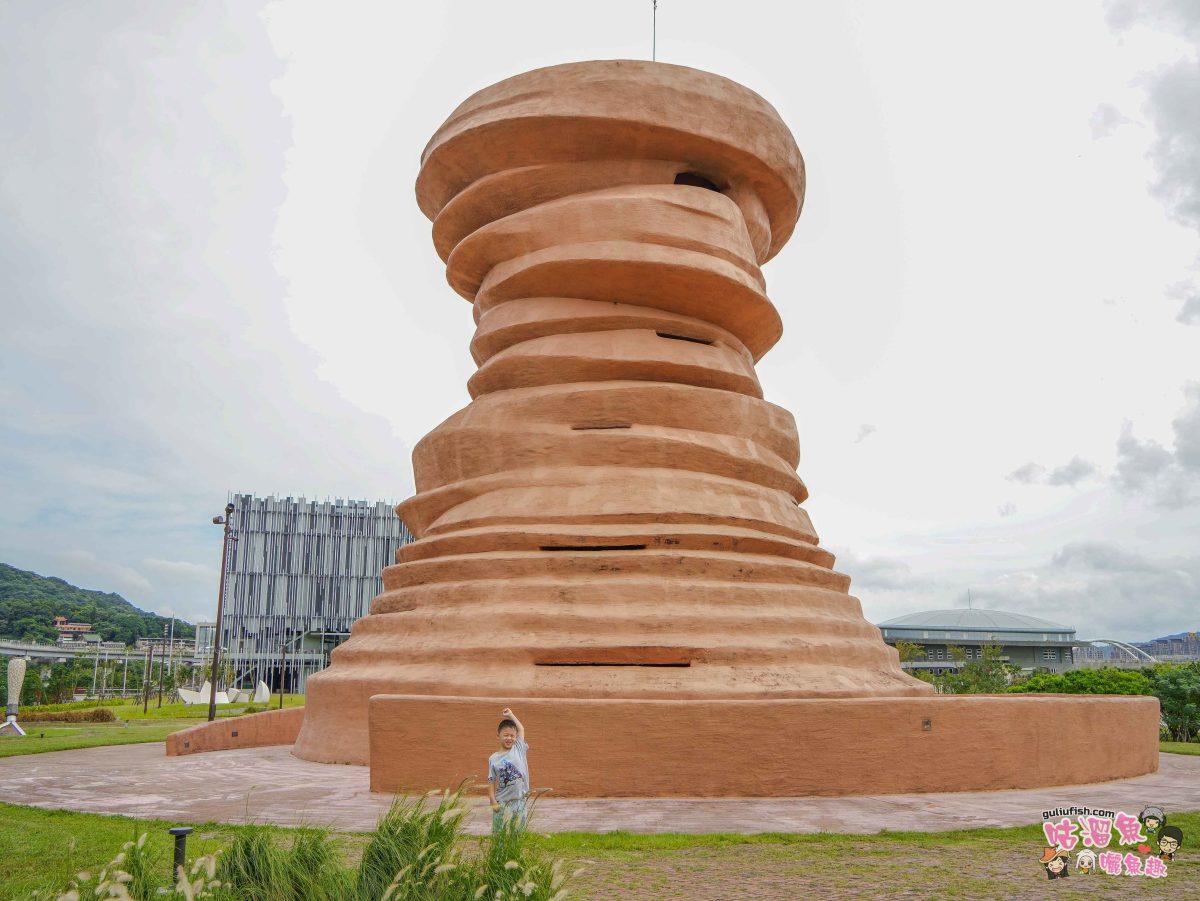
268	785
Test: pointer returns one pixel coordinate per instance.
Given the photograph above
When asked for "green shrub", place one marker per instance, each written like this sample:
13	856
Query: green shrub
94	715
1178	690
1106	681
71	705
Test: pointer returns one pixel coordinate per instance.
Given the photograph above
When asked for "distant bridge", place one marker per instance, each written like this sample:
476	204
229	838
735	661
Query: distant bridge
51	652
57	654
1138	653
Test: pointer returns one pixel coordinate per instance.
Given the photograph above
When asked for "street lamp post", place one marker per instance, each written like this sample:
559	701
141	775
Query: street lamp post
216	661
147	677
282	672
162	658
95	668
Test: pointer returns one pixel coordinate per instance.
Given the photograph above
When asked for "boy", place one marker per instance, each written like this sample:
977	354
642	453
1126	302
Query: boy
508	774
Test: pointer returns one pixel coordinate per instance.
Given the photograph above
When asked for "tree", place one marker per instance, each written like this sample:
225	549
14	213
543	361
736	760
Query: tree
909	651
1178	690
988	674
27	628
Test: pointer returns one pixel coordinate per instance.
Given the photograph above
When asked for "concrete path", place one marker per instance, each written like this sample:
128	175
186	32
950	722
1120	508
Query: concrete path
268	785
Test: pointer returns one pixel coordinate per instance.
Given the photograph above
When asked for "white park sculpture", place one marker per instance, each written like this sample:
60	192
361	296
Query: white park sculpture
262	694
16	678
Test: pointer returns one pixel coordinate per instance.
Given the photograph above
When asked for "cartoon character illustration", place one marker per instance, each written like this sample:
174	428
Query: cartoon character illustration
1055	861
1153	818
1169	840
1085	861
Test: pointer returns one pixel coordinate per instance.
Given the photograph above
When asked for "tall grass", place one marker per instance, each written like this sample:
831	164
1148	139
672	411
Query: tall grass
417	852
260	869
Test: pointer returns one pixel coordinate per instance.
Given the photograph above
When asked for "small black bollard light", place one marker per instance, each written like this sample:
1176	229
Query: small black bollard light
181	833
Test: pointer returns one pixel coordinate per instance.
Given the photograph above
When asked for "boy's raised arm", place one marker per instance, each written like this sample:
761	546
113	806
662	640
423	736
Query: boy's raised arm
509	715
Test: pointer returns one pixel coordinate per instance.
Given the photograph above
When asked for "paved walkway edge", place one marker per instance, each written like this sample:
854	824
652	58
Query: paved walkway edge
269	785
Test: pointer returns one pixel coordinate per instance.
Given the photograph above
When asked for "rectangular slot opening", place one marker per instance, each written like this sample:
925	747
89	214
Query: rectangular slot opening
593	547
635	655
684	338
589	426
603	663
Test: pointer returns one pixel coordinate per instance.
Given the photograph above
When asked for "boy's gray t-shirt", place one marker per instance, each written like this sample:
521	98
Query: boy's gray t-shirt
509	772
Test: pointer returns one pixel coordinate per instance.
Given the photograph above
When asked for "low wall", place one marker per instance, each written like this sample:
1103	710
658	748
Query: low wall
849	746
255	730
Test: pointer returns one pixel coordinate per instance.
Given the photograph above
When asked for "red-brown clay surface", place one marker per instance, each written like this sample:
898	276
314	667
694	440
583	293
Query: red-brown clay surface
865	746
614	523
617	513
255	730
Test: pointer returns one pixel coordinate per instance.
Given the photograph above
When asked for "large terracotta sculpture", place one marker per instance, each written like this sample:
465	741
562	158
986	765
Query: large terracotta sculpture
616	515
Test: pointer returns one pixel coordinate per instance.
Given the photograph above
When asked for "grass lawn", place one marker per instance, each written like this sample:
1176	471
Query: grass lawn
133	710
1180	747
42	737
42	849
132	727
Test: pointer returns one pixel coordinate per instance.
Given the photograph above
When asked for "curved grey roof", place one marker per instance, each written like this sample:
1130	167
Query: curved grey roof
967	620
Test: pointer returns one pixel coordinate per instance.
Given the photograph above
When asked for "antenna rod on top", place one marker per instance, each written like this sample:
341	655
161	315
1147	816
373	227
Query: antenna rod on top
654	32
969	599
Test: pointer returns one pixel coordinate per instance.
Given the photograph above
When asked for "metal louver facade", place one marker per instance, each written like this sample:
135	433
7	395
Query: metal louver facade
300	572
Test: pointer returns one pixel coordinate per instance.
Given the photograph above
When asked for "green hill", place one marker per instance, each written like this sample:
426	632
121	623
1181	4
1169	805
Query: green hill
29	603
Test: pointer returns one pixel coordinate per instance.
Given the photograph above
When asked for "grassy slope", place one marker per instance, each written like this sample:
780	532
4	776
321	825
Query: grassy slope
42	737
134	727
24	593
196	711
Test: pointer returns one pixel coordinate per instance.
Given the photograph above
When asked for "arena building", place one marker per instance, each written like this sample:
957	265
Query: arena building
1029	642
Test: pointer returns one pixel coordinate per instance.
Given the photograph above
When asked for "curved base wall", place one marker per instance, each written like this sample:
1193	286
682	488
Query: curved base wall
844	746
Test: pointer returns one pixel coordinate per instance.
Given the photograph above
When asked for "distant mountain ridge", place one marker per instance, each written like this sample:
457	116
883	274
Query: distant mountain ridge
29	602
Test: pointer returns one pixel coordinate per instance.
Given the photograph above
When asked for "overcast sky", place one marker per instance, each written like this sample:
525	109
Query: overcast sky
214	277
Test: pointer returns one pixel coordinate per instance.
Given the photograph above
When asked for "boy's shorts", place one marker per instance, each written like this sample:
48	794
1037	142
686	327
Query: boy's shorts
514	811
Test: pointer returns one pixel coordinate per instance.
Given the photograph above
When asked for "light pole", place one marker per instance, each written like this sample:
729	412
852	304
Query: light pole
282	671
162	666
147	677
212	692
95	667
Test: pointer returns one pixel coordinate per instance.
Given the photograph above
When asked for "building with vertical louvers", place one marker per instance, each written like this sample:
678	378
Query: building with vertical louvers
300	572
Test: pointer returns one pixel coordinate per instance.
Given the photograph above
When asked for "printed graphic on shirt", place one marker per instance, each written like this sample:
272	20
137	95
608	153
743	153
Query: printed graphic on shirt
507	773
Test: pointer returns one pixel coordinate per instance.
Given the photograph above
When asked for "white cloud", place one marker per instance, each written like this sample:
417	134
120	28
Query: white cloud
1092	586
1106	119
1170	478
1189	314
215	277
90	571
182	569
1071	473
